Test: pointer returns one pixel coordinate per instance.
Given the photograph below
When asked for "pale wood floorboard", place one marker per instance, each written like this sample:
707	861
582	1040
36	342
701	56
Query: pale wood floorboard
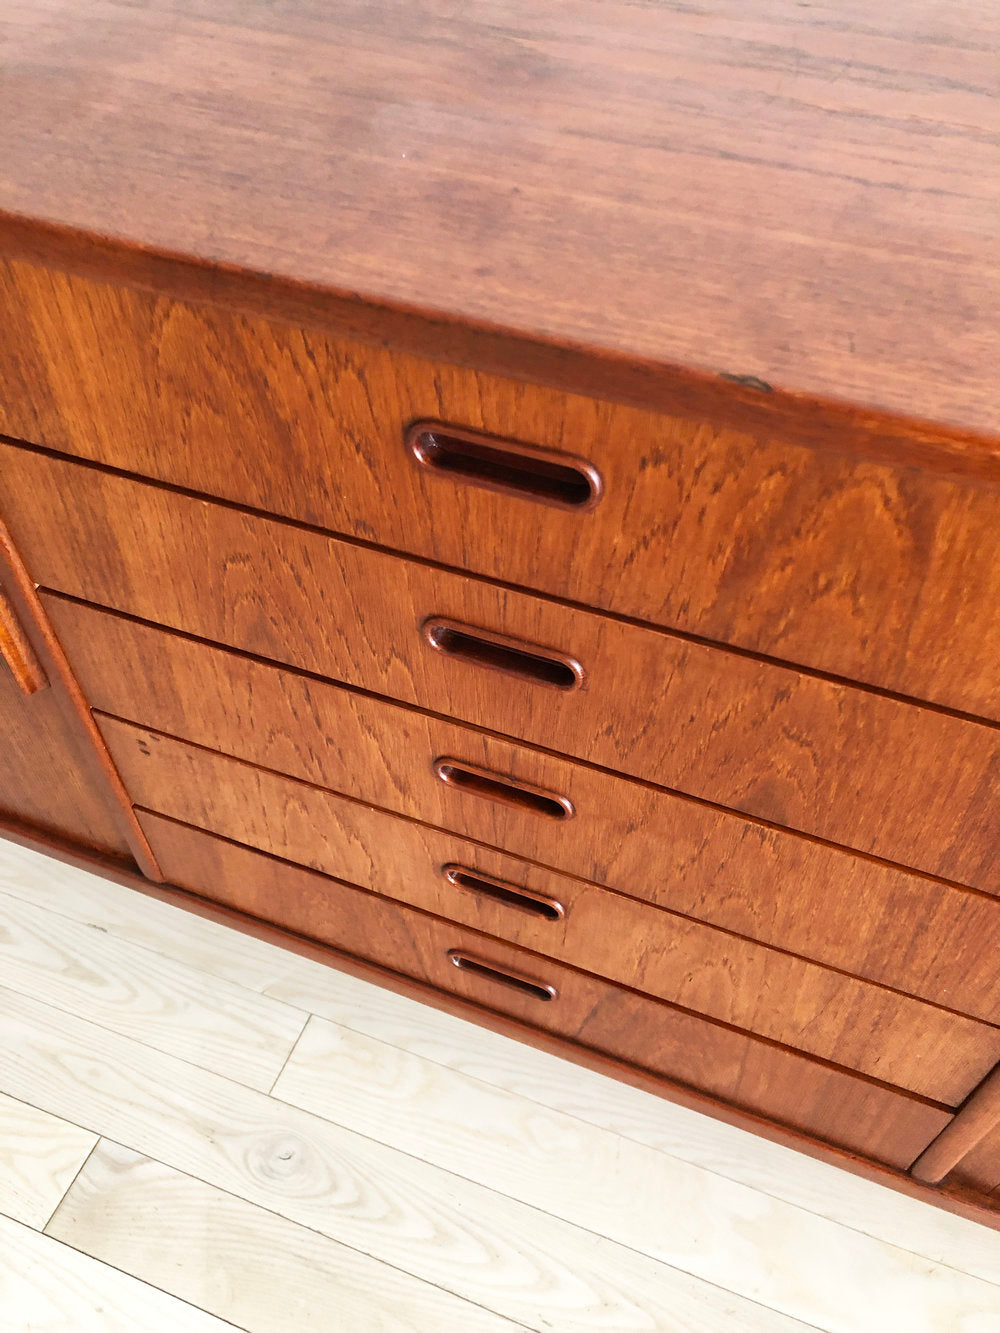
46	1287
492	1250
828	1275
409	1165
242	1262
156	999
40	1155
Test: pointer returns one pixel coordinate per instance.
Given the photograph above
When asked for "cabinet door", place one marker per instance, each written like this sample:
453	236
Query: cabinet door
46	780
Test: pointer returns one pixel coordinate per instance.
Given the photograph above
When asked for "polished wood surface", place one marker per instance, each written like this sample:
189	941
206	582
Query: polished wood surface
804	196
979	1169
44	779
902	1041
17	653
850	912
841	1108
714	532
816	755
74	707
560	461
975	1125
49	778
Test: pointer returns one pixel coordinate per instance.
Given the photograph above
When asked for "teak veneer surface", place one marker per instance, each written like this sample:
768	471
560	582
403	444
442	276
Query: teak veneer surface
47	779
768	740
900	1040
859	915
867	571
806	195
829	1103
740	260
979	1170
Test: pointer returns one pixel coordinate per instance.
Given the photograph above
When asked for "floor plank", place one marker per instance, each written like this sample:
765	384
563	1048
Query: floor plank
151	997
544	1079
137	918
805	1266
496	1252
39	1156
547	1081
46	1287
241	1262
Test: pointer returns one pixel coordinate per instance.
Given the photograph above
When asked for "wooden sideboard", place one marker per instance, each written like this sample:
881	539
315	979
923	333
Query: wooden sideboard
509	503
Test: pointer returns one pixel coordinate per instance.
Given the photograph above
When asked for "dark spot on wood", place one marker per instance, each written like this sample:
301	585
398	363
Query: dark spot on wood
748	381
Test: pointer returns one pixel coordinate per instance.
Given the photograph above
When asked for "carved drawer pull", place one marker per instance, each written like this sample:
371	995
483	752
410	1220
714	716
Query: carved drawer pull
526	985
511	895
502	465
539	666
505	791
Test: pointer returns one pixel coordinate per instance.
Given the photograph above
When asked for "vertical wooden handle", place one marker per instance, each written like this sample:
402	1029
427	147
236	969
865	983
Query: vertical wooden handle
17	652
974	1119
69	693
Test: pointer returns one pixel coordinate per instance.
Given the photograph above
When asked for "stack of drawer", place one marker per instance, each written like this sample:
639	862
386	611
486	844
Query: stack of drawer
674	743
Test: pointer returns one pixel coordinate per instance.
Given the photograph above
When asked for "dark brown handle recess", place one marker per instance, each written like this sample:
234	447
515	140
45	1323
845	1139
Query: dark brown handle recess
503	790
483	648
466	962
500	891
504	465
17	652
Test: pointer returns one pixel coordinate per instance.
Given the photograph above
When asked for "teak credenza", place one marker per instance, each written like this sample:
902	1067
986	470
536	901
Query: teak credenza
513	509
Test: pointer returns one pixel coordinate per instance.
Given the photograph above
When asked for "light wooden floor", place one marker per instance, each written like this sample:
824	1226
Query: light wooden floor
199	1131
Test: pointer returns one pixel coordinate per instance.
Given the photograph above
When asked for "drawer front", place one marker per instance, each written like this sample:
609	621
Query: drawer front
871	572
851	1022
826	1103
883	776
850	912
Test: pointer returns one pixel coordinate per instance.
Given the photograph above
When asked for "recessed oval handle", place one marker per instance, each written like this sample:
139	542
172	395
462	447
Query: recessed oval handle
500	891
504	465
466	962
503	790
539	666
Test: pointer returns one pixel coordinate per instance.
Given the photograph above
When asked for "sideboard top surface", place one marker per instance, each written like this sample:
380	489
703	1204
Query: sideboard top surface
803	197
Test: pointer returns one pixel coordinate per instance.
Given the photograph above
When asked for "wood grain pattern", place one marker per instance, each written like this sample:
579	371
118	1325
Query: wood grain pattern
75	710
718	1155
903	1041
722	1150
767	739
241	1262
715	532
18	653
41	1156
47	778
267	1274
46	1285
804	196
842	1108
156	1001
486	1134
979	1169
745	266
852	913
480	1245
